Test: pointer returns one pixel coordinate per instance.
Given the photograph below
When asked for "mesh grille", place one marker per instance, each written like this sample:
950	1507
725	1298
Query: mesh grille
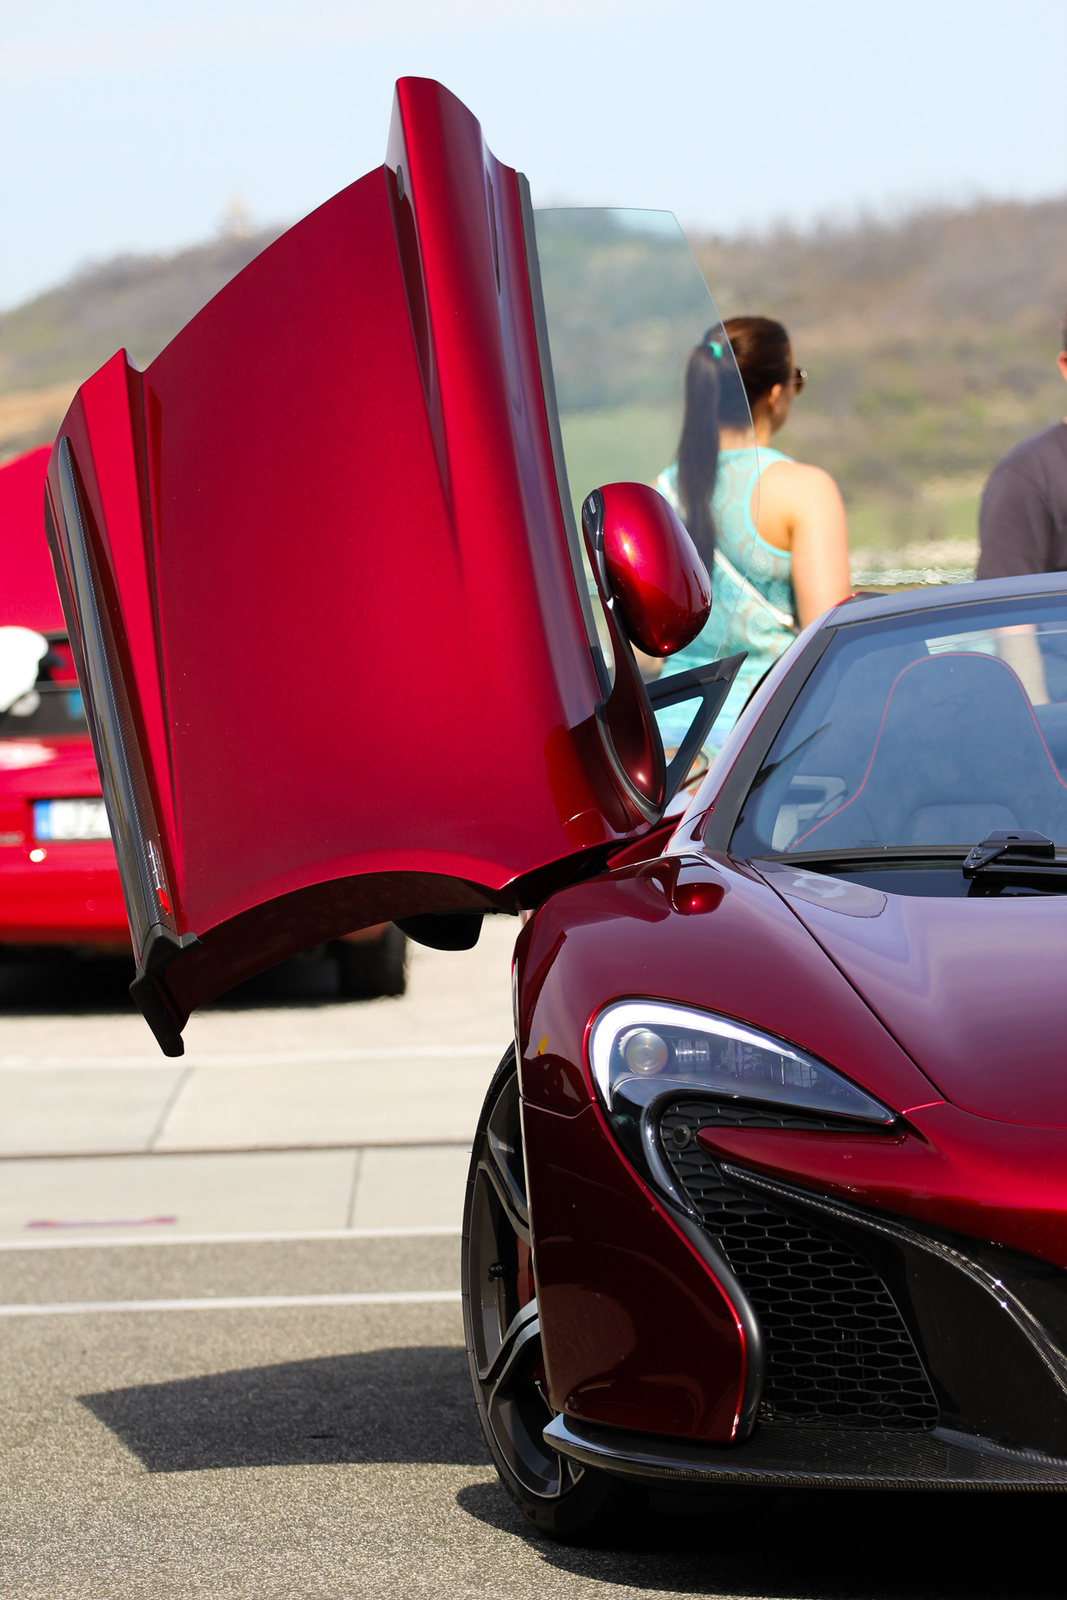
838	1350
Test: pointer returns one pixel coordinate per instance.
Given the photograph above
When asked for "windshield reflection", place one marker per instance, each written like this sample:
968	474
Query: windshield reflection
930	731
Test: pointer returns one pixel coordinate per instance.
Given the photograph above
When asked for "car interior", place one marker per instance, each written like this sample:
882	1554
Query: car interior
917	739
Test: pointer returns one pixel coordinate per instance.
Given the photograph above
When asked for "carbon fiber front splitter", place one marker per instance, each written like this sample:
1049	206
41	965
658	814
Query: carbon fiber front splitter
788	1456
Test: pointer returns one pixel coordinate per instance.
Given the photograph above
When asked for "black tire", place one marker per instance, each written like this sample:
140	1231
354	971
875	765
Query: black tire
503	1334
379	967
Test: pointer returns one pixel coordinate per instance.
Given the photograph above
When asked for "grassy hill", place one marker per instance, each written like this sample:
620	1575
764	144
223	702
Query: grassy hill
51	343
929	342
930	346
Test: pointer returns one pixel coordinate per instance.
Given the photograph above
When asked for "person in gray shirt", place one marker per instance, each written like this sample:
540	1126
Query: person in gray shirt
1022	521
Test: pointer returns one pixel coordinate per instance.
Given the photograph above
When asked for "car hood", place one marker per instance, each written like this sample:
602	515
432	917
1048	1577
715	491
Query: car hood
972	989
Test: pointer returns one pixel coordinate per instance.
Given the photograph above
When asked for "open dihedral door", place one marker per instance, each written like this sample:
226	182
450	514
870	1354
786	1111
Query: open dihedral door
329	613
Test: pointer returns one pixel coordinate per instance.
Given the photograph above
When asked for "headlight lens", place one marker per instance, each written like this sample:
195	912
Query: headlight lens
641	1049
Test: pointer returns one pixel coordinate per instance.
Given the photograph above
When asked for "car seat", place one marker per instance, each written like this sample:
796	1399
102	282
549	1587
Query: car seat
958	753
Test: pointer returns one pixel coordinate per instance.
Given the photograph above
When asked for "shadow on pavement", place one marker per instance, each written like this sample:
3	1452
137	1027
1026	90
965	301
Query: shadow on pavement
63	985
403	1405
833	1546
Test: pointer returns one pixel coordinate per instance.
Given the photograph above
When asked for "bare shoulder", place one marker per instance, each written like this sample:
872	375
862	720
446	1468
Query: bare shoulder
797	484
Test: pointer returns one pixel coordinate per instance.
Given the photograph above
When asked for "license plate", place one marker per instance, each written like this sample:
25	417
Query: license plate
70	820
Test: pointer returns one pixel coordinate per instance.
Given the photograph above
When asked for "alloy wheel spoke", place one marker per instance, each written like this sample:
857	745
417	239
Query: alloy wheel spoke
518	1218
508	1363
511	1198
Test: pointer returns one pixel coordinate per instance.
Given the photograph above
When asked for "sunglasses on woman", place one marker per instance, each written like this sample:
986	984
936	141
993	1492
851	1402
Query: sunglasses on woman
800	378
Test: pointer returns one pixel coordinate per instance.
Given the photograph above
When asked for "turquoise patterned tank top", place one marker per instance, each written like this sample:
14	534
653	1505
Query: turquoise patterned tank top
753	606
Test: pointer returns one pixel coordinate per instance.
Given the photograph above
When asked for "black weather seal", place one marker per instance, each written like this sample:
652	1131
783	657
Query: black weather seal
712	683
161	947
127	796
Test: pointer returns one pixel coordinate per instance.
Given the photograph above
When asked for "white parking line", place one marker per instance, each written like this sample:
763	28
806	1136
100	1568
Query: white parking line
248	1302
257	1058
445	1230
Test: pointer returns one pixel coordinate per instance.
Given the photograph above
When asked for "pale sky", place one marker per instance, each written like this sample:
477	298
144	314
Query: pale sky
130	124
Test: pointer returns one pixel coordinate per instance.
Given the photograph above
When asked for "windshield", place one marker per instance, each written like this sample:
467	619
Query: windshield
625	305
53	705
930	730
48	709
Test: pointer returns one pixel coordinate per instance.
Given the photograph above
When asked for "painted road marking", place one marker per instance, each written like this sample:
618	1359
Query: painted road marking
258	1058
282	1236
53	1223
249	1302
160	1153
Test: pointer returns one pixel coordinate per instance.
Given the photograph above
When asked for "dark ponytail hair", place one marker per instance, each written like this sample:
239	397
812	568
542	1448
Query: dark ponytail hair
720	394
764	357
698	448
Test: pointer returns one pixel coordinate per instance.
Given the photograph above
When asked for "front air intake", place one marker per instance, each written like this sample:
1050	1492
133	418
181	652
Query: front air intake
838	1350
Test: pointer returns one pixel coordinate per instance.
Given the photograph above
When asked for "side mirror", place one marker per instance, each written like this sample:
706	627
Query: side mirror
657	595
647	566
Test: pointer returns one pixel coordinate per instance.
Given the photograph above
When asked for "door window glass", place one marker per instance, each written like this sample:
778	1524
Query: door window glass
625	304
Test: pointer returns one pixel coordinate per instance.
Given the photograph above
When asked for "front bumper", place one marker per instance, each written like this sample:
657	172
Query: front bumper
786	1456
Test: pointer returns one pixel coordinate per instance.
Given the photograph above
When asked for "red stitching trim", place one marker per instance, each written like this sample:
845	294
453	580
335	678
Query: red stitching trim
959	654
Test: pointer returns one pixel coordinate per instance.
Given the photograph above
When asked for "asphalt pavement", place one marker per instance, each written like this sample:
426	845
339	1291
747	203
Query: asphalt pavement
233	1359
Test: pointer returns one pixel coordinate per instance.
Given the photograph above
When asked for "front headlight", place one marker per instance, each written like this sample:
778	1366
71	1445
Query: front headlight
642	1050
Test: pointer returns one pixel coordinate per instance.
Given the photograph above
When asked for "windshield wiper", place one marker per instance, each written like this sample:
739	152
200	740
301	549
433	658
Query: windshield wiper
892	855
1019	853
1004	851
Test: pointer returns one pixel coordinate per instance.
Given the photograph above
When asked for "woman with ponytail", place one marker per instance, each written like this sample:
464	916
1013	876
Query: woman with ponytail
772	531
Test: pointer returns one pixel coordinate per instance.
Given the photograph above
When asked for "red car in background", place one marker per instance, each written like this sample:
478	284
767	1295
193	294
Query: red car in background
59	882
59	885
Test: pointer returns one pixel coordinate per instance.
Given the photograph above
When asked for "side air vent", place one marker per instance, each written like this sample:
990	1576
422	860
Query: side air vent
838	1350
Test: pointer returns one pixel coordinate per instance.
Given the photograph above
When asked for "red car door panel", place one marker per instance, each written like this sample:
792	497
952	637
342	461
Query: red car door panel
327	605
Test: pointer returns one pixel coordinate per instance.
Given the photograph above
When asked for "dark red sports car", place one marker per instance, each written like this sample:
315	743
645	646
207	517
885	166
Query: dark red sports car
771	1188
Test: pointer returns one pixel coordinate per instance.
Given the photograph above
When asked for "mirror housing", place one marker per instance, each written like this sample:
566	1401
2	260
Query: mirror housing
657	595
645	561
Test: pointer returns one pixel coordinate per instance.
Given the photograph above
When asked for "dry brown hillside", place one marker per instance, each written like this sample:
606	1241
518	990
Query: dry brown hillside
930	346
929	342
48	345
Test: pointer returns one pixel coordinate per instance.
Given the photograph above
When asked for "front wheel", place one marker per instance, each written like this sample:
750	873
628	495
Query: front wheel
502	1328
